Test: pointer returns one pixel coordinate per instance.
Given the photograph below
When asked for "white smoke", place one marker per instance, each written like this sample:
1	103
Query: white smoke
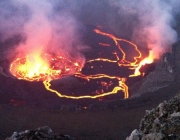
37	29
52	25
12	19
155	19
43	27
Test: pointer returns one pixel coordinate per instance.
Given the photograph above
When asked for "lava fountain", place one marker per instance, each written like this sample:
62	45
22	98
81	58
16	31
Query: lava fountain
36	67
47	67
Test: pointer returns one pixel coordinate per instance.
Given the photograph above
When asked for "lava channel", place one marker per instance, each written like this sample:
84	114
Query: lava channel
49	67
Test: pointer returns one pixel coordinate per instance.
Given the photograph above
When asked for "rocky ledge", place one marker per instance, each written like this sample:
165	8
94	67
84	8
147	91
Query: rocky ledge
160	123
43	133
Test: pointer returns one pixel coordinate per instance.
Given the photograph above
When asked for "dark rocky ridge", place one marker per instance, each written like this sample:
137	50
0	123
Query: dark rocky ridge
160	123
43	133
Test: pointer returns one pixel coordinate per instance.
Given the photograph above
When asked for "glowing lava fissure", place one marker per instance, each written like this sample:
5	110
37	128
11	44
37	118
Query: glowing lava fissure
121	87
49	67
123	61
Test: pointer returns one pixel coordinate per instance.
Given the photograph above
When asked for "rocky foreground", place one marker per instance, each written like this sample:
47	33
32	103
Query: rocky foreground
43	133
160	123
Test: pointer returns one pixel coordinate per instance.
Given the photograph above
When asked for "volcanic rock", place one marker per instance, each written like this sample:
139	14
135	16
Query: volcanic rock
162	76
160	123
43	133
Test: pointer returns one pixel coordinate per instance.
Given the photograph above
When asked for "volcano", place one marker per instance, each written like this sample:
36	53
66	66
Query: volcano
112	66
154	85
89	69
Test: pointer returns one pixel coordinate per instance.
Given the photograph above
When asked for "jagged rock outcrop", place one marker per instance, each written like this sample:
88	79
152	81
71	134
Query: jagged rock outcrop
43	133
160	123
161	77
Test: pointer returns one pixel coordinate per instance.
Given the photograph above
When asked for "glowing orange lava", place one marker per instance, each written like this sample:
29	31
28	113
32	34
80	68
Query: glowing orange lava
47	67
123	61
122	86
147	60
43	67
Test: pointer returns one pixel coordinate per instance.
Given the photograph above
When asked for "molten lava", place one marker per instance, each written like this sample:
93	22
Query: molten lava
41	68
47	67
122	86
147	60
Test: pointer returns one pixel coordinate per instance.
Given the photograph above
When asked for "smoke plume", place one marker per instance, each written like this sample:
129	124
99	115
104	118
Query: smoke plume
153	22
43	26
54	25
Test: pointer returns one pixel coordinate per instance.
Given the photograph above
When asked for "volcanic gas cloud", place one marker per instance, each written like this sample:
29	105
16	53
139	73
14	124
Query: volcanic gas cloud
153	23
50	45
47	38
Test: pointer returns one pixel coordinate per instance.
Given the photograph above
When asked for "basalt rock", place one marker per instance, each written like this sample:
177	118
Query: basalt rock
162	76
43	133
160	123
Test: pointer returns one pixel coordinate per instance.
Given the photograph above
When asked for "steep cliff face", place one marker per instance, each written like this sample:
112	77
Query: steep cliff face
166	72
176	53
160	123
162	76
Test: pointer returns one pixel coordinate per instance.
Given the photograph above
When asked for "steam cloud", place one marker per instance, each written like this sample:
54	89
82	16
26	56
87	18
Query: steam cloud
54	25
153	22
42	26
